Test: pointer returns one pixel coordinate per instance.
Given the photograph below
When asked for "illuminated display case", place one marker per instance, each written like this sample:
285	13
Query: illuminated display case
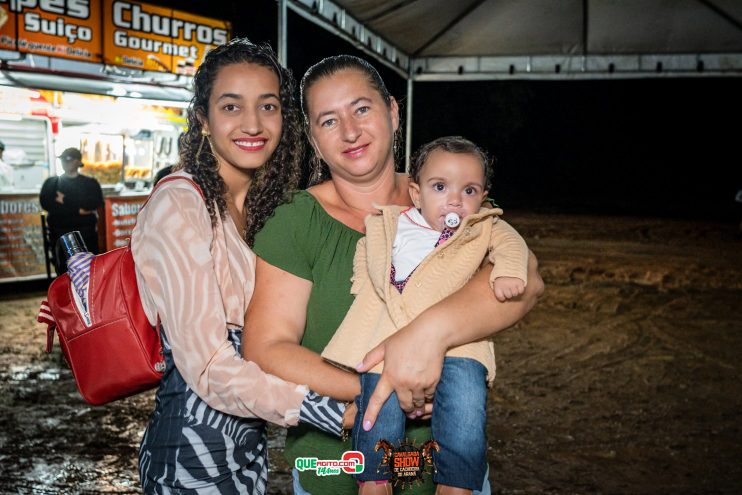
138	153
103	156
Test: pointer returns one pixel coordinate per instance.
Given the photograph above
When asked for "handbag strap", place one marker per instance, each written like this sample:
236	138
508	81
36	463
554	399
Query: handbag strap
171	178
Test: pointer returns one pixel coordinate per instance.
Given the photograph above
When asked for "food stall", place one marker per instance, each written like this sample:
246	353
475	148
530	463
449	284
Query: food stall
116	90
123	147
28	152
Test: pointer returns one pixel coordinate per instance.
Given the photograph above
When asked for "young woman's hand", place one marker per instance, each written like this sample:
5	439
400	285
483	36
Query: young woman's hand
349	417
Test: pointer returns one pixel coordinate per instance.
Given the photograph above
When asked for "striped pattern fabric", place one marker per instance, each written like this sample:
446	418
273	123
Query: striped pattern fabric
207	433
191	448
198	279
323	413
45	314
78	267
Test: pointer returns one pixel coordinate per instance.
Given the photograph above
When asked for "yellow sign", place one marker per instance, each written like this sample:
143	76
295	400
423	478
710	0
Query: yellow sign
116	32
56	28
147	37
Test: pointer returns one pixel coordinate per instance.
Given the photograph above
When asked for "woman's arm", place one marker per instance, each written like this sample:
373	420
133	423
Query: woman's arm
171	249
471	314
274	325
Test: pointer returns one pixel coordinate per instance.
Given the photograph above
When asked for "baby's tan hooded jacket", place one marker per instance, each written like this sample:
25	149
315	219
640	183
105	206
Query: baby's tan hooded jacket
379	309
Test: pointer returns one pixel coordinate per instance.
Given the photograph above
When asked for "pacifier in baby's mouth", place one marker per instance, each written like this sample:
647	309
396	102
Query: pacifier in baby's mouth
452	220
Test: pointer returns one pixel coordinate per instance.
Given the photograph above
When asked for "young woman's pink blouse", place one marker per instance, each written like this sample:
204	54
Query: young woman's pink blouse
199	279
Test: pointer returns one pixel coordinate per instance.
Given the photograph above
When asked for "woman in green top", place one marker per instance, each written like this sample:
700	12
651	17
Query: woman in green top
305	256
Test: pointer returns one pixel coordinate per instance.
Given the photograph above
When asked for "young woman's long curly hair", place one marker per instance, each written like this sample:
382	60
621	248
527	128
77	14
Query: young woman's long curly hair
274	180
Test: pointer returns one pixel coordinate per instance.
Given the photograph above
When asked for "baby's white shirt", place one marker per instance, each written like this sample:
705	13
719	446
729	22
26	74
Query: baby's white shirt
414	241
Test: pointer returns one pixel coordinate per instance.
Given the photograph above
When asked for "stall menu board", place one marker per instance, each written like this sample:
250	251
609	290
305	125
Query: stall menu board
70	29
121	216
21	240
115	32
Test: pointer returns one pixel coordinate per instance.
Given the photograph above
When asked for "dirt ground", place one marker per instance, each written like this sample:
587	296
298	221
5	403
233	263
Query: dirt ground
624	380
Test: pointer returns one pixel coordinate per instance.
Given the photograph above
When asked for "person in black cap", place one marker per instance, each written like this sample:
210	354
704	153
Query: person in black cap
72	201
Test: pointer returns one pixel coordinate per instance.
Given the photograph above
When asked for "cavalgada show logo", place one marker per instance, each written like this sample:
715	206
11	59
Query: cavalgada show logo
407	463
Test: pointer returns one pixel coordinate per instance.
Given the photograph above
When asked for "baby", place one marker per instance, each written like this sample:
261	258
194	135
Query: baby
410	259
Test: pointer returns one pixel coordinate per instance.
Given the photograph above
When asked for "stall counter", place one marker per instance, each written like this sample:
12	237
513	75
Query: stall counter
120	217
21	238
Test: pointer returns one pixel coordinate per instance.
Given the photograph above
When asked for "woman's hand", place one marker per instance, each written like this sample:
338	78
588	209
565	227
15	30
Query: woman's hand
413	356
413	360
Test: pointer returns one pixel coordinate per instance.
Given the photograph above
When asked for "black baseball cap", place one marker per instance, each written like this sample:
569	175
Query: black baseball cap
70	154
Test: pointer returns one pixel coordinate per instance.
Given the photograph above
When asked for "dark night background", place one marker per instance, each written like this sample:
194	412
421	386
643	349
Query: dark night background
656	147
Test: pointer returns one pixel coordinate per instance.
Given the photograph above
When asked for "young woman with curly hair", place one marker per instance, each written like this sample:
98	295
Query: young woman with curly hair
196	274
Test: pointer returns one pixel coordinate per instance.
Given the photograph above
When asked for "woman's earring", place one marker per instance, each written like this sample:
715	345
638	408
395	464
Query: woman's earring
204	135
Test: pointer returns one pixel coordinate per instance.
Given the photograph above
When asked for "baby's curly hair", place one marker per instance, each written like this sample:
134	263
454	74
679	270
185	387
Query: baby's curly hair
274	180
451	144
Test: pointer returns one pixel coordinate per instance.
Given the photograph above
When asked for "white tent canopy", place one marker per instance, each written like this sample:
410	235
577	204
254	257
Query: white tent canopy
457	40
543	39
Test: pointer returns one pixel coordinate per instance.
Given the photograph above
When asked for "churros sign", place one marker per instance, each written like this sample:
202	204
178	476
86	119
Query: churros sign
351	463
154	38
116	32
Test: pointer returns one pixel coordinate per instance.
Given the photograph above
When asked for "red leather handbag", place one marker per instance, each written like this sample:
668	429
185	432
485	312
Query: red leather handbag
119	353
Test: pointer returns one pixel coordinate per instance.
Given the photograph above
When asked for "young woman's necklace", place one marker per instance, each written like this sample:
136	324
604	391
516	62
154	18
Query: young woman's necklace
239	219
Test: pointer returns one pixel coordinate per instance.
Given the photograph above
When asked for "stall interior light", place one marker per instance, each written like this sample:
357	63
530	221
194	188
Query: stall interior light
162	103
117	91
20	92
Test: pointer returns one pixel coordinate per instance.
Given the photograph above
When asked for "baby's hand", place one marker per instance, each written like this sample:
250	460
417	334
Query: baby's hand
508	287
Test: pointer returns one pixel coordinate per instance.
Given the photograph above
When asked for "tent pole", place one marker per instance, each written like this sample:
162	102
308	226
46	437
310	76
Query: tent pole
282	34
408	121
